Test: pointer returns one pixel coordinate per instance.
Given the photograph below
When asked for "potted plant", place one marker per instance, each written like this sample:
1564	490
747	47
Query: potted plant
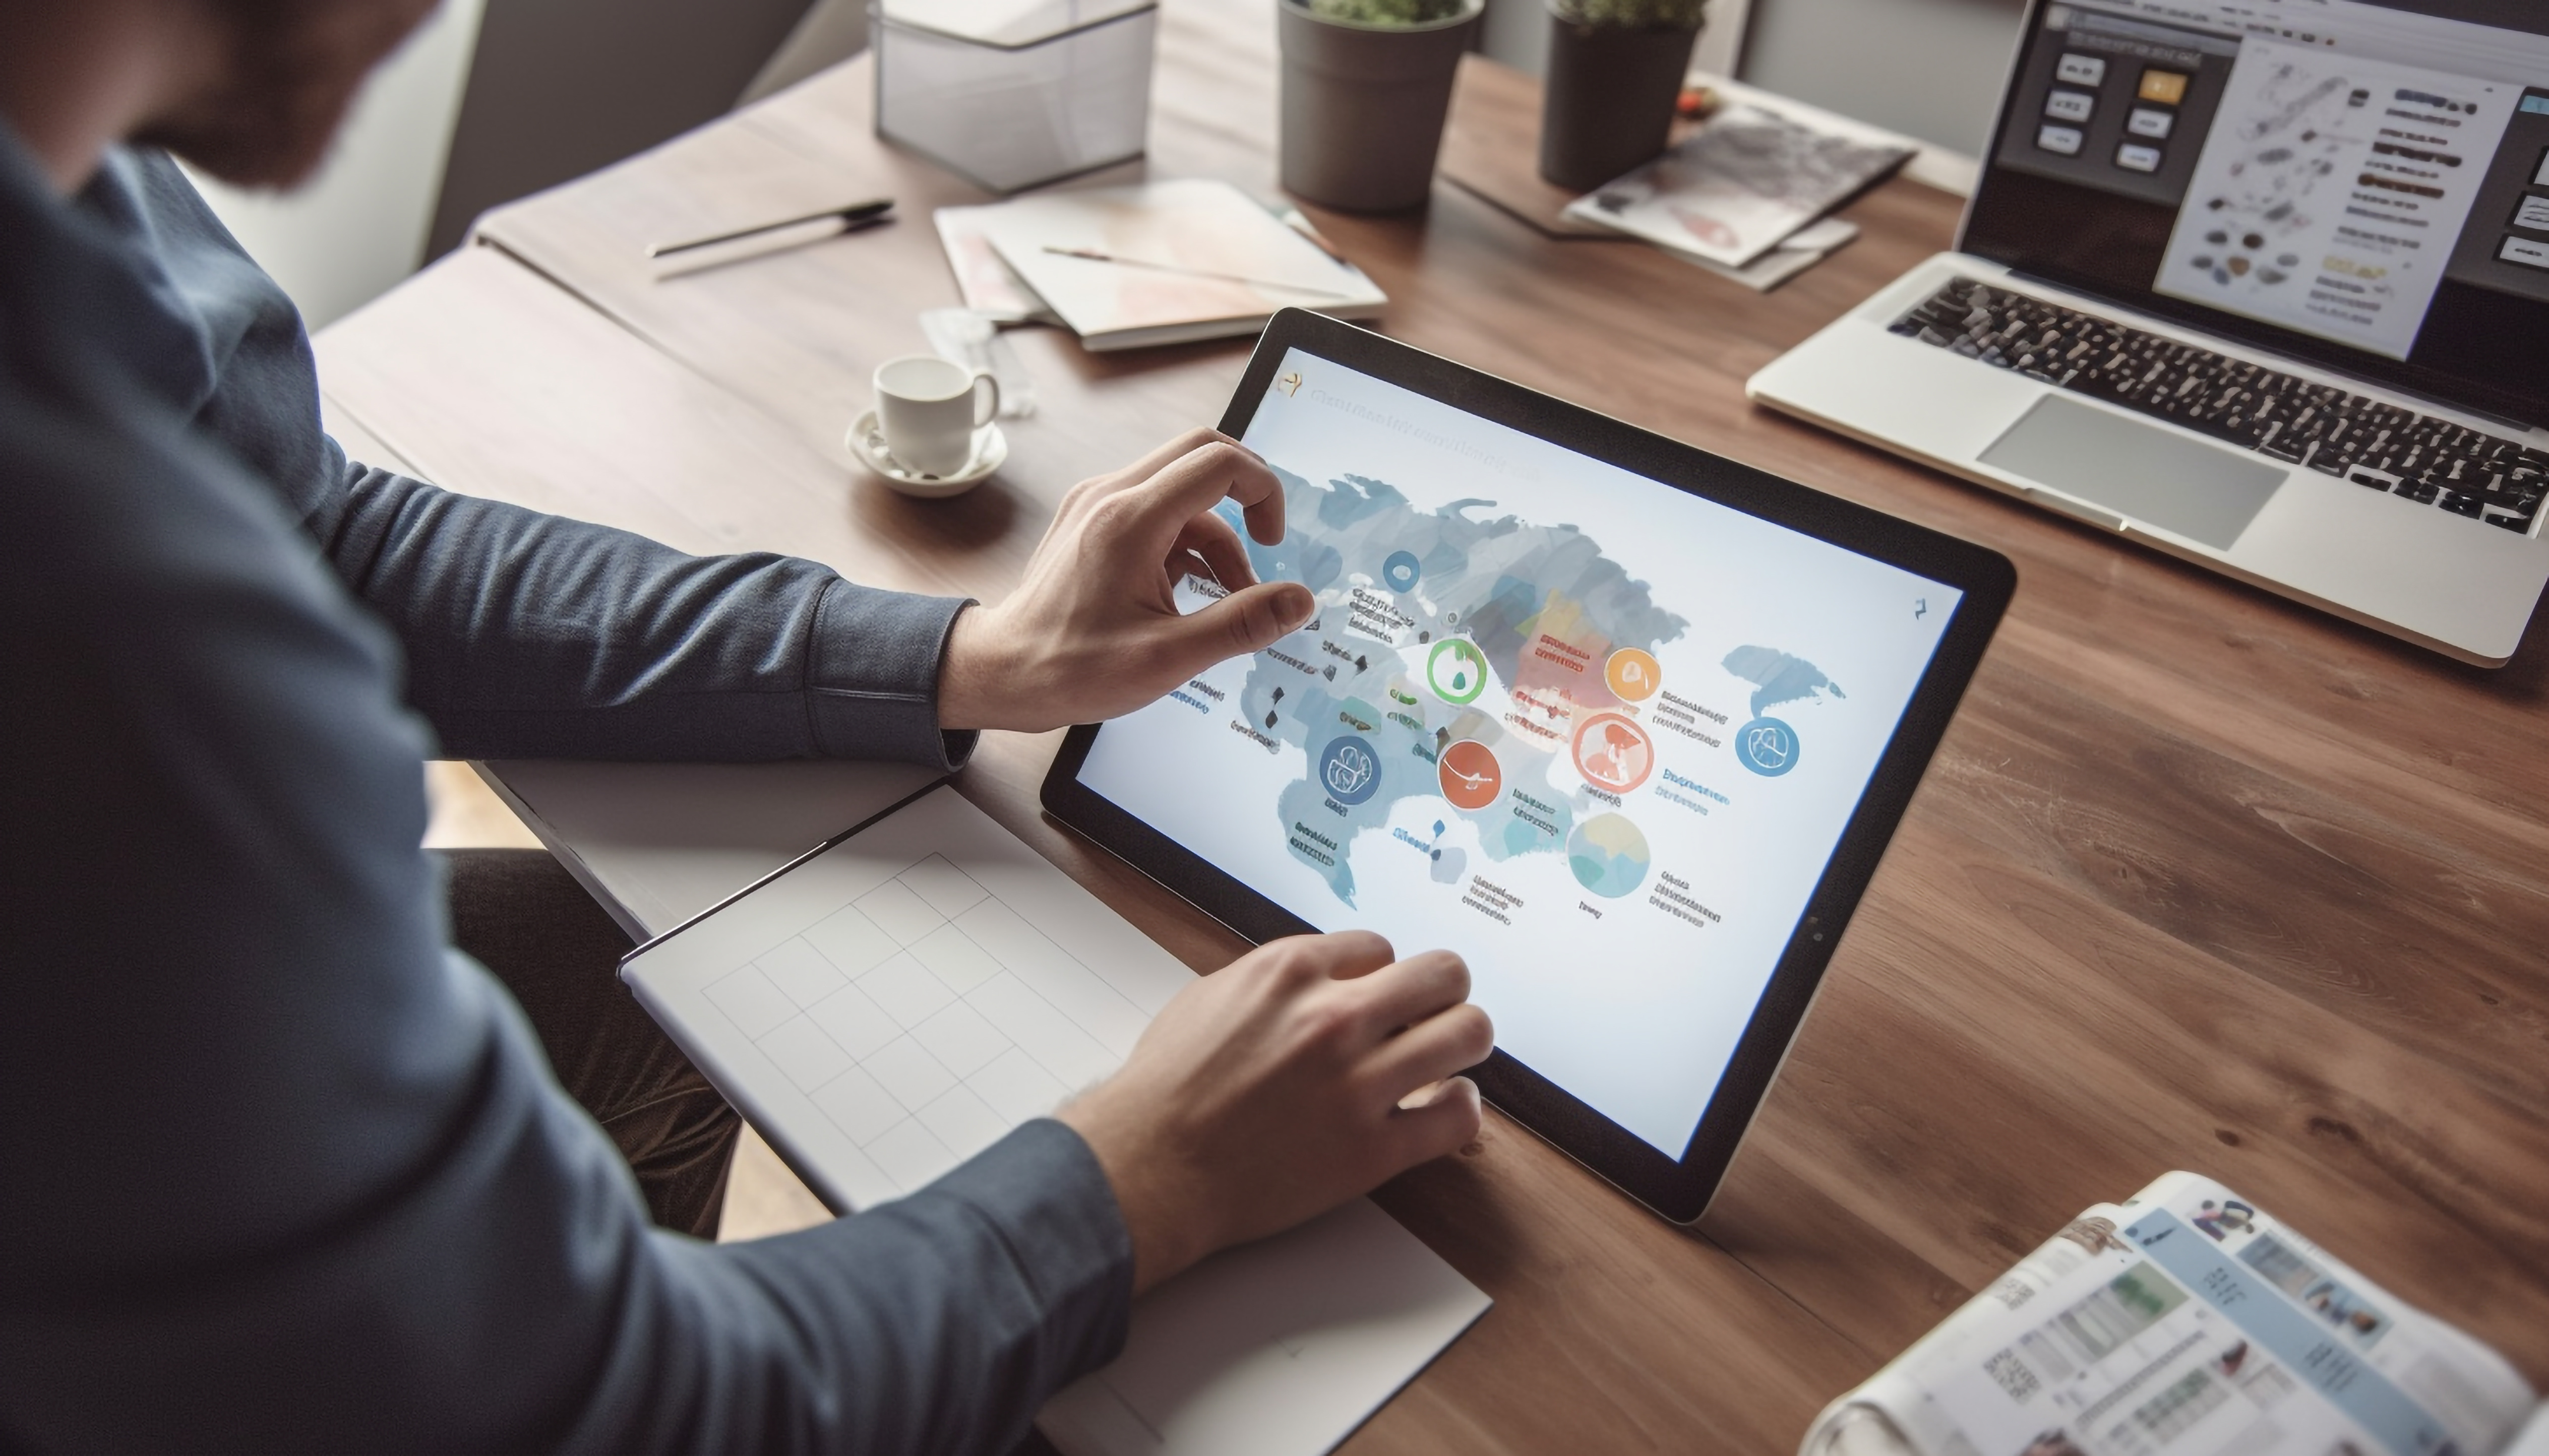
1367	84
1615	68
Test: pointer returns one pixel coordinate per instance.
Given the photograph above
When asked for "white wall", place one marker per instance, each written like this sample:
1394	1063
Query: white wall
359	227
1929	68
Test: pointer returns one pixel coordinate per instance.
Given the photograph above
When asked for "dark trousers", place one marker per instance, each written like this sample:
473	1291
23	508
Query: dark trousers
525	918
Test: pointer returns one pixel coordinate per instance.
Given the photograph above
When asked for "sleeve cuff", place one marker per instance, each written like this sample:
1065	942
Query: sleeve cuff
1045	1191
872	676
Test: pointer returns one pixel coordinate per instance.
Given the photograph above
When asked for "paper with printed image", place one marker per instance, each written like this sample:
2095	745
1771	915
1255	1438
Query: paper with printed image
2185	1321
1738	186
2330	190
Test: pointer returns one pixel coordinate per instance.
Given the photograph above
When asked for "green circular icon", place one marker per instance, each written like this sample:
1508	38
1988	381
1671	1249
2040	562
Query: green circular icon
1457	670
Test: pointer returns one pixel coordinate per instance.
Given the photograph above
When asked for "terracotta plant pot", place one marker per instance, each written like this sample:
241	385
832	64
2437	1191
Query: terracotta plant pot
1609	103
1364	106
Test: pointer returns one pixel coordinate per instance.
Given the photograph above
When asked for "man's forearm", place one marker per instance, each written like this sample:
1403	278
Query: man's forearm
531	635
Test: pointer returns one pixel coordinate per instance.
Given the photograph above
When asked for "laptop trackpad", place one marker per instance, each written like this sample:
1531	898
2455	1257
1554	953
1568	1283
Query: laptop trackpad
2139	471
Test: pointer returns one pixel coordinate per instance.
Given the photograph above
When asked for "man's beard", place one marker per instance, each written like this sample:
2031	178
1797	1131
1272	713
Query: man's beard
293	68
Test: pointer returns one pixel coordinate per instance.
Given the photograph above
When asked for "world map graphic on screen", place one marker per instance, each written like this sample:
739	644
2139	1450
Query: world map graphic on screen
1470	657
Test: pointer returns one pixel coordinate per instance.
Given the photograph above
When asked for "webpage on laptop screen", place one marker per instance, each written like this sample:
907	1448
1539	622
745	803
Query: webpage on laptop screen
2331	167
1596	734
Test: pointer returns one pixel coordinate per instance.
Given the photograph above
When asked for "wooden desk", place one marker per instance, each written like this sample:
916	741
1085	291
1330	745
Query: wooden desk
2200	879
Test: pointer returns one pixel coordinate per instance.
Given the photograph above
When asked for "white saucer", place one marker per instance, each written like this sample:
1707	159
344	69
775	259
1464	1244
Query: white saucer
991	452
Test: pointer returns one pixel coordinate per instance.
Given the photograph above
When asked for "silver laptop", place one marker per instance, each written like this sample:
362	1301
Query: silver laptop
2261	283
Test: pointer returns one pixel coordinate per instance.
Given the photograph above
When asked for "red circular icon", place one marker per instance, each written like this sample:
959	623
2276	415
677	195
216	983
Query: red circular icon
1472	777
1612	752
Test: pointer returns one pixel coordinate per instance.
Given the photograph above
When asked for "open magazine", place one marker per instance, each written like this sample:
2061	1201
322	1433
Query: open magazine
1738	186
2185	1322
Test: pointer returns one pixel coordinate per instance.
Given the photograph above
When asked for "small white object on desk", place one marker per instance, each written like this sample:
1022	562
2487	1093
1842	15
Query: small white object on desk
930	412
867	441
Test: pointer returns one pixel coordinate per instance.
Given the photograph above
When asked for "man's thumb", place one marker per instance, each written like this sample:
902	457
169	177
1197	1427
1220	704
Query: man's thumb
1251	619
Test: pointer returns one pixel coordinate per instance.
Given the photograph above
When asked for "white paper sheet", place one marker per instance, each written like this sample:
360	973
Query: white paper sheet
895	1006
890	1007
1244	1355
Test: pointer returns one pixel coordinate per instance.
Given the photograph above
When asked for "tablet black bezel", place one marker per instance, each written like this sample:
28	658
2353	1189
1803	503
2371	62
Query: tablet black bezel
1678	1189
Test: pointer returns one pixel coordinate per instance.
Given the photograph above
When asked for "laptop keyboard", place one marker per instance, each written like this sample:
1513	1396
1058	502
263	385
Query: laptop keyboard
2381	446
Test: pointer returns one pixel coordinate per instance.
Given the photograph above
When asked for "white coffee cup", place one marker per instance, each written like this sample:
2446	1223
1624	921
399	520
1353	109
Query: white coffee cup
929	410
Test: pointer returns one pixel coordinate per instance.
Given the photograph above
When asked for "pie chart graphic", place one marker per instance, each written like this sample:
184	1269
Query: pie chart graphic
1609	855
1470	775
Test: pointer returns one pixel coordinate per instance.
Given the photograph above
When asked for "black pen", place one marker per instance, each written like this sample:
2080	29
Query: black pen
857	213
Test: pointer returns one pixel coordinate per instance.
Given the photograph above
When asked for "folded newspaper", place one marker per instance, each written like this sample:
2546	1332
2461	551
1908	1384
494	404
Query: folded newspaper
2185	1322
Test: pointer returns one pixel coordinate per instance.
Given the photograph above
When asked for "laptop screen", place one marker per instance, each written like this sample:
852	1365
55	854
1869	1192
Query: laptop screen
2361	184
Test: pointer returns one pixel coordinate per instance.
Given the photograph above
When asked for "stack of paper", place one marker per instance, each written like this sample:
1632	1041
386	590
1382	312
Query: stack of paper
1162	262
1741	195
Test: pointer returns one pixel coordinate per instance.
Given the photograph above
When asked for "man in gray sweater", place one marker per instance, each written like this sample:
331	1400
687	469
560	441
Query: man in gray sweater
281	1169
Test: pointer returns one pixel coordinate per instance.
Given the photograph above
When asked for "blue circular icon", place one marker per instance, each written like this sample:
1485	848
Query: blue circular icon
1768	747
1400	571
1350	770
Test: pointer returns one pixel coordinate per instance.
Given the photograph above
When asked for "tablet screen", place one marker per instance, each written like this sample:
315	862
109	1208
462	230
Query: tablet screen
1596	734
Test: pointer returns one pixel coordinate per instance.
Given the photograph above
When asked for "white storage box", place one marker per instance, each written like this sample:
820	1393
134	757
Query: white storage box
1013	93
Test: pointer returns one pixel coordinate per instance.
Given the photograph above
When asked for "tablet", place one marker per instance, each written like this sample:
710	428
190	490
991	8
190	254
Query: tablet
1624	723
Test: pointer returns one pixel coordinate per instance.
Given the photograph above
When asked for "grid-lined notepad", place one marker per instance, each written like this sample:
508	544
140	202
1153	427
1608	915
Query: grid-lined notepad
893	1006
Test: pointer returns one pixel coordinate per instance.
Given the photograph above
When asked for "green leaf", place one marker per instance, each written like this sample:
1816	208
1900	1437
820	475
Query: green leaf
1385	12
1632	15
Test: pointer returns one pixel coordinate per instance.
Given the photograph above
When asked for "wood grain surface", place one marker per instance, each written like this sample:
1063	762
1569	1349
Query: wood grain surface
2200	879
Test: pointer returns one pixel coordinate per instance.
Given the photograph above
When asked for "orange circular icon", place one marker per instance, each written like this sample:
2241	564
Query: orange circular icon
1612	752
1470	775
1633	674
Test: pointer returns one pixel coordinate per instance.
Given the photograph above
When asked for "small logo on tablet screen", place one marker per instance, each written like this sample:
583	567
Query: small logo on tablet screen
1457	670
1469	775
1768	747
1350	770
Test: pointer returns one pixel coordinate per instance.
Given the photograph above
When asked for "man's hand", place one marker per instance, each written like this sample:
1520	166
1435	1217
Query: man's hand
1093	630
1305	1072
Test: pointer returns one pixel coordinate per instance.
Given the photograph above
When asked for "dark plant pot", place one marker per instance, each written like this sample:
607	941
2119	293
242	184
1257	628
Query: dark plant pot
1609	103
1364	106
